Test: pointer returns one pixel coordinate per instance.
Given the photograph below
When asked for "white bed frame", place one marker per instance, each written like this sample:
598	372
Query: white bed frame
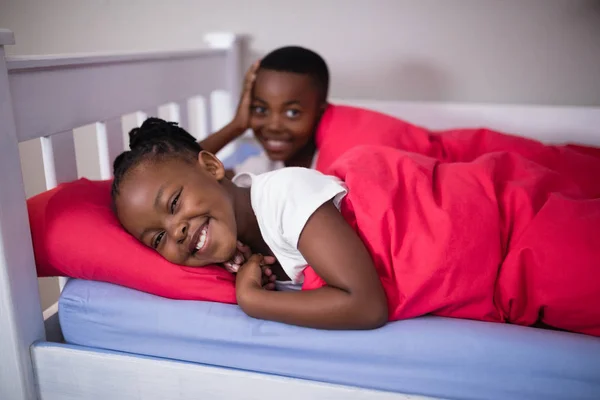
46	98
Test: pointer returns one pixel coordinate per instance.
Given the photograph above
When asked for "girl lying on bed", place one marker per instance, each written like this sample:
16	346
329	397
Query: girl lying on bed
388	234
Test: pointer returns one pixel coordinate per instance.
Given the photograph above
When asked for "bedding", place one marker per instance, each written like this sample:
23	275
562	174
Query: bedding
344	127
73	226
444	357
498	239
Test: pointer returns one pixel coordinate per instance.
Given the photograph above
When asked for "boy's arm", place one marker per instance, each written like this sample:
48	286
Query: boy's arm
240	122
353	298
223	137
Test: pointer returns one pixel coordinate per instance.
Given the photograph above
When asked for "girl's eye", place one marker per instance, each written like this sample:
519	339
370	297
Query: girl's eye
157	239
174	202
292	113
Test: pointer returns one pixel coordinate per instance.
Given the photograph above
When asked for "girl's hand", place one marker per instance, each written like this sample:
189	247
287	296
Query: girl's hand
242	115
255	274
244	253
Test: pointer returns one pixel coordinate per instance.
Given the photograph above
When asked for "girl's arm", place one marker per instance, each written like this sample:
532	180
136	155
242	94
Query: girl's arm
353	297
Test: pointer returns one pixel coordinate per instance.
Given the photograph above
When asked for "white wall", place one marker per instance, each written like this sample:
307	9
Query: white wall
509	51
516	51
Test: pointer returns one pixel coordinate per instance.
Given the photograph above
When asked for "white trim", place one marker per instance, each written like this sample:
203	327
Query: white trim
94	375
51	100
21	63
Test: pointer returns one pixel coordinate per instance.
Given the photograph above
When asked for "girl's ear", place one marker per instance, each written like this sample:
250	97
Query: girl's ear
211	164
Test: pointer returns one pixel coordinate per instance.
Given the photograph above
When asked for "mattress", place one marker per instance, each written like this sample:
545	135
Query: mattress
430	356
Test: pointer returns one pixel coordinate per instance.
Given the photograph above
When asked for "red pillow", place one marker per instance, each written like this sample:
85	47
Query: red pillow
344	127
76	234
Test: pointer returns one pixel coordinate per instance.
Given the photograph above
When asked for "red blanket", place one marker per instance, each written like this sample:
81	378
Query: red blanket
503	236
497	239
343	128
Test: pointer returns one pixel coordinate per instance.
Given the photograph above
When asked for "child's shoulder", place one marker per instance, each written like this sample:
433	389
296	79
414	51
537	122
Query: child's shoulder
289	184
284	179
295	175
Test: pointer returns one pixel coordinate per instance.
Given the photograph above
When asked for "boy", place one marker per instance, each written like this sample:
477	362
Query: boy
283	99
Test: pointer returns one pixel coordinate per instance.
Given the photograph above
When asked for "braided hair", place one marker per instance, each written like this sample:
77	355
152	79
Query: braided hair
299	60
154	139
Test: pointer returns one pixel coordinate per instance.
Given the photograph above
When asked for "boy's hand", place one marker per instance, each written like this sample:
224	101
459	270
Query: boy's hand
255	274
242	115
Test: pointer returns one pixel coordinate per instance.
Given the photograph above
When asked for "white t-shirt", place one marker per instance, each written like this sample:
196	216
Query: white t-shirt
261	163
283	201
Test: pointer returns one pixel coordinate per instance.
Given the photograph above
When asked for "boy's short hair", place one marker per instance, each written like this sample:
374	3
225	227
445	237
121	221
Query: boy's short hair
299	60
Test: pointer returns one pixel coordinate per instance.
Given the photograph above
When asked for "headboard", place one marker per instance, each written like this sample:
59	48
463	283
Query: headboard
53	110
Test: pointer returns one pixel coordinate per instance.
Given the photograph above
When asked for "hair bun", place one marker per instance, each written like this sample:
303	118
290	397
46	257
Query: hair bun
134	136
151	131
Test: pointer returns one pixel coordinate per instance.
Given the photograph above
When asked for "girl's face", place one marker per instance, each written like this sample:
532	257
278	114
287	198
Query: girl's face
180	208
286	108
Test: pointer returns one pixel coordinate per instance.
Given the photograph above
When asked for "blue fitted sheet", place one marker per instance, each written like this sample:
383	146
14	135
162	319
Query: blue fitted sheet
429	356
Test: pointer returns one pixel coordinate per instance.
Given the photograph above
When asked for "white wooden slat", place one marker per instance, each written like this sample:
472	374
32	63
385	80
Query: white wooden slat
221	114
21	321
32	167
58	154
103	154
60	165
184	114
68	96
87	152
99	375
49	167
129	122
199	121
220	111
236	47
175	112
169	112
223	103
114	136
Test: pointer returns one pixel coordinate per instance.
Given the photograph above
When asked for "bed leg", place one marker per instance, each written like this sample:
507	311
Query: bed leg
21	321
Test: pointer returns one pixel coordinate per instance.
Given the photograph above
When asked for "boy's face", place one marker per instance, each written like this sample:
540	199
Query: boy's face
286	108
179	208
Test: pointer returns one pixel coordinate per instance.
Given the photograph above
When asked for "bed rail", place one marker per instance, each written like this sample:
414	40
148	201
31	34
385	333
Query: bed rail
20	311
63	107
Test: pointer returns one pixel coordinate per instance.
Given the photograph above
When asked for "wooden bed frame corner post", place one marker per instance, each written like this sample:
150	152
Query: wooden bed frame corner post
236	46
21	322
